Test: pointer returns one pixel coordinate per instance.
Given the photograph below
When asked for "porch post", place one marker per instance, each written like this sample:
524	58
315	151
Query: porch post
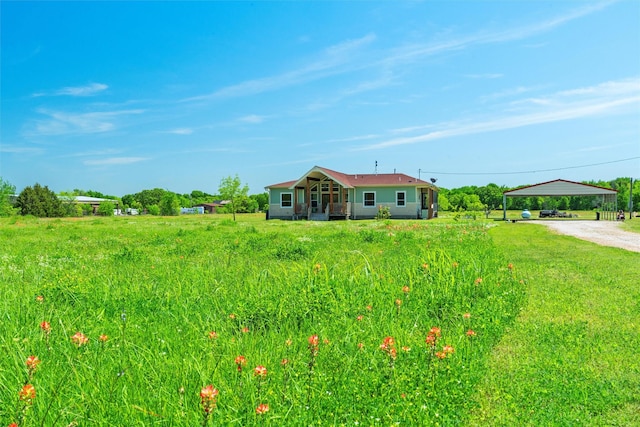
330	197
308	196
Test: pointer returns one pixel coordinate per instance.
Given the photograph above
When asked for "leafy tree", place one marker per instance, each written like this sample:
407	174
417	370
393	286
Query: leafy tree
40	202
170	204
106	208
146	198
6	192
443	202
262	200
153	210
231	189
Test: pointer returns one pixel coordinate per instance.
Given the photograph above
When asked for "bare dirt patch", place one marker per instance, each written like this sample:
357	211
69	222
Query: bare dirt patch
606	233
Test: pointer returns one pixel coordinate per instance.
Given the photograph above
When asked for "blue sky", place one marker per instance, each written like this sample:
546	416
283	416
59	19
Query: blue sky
119	97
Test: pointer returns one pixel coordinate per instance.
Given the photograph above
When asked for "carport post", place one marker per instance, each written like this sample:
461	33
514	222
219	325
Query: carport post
504	207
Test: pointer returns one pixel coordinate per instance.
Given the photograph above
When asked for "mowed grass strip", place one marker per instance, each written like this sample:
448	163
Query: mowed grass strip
573	355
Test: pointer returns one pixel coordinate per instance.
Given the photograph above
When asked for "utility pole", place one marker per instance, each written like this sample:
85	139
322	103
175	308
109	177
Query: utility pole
631	198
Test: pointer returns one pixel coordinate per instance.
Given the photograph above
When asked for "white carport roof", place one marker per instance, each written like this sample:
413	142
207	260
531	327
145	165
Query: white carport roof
560	187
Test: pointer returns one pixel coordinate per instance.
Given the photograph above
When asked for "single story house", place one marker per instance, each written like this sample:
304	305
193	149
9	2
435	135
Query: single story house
212	207
323	194
94	202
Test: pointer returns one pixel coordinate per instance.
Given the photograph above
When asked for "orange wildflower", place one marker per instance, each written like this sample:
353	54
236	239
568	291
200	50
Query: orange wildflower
213	335
262	409
405	289
448	349
208	398
478	280
240	362
314	342
471	333
260	371
79	339
467	315
103	338
388	346
45	326
245	330
27	393
32	363
435	331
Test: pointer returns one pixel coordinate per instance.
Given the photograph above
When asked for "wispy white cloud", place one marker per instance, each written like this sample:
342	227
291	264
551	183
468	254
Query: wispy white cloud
88	90
355	138
353	55
614	97
19	149
509	93
65	123
252	118
333	61
484	76
415	52
115	161
180	131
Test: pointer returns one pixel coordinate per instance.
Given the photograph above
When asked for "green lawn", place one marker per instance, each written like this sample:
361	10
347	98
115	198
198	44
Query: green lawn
554	340
573	355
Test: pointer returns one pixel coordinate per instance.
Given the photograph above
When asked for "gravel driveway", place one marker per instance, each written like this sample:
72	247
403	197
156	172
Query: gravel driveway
606	233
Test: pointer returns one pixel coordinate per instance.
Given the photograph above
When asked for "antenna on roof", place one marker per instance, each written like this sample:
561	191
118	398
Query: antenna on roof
376	170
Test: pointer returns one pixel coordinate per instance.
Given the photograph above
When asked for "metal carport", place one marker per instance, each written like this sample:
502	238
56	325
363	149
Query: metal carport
561	187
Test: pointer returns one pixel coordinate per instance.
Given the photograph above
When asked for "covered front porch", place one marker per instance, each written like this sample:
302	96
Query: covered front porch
321	198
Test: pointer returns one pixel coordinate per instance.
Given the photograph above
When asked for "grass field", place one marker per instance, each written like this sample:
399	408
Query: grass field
302	323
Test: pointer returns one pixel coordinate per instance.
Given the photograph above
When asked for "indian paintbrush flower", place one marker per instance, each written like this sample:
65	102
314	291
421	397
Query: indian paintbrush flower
79	339
208	398
262	409
27	393
260	371
46	327
240	361
32	364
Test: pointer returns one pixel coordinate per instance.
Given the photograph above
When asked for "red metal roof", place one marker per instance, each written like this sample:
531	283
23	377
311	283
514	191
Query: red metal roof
358	180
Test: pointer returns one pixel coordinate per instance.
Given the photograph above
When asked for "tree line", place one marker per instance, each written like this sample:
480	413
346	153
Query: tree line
40	201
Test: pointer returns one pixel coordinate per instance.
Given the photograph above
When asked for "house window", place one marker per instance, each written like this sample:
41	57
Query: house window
325	187
369	199
314	200
286	200
401	198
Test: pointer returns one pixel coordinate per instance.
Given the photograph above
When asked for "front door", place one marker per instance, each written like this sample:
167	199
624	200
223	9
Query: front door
325	201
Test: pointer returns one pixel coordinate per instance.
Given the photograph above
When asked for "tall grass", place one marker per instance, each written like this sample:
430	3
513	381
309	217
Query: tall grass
177	300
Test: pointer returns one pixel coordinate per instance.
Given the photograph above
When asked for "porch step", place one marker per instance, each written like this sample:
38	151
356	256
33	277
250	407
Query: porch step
317	217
